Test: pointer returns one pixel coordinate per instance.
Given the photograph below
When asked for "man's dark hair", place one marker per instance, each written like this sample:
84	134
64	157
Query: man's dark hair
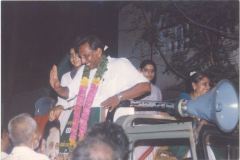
93	41
112	134
95	148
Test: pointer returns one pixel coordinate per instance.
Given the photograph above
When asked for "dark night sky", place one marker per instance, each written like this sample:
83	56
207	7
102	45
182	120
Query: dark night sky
36	35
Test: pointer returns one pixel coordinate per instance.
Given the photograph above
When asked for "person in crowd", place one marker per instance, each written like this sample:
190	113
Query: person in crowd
5	143
197	84
113	134
66	79
41	115
95	148
63	109
104	82
24	135
148	69
107	139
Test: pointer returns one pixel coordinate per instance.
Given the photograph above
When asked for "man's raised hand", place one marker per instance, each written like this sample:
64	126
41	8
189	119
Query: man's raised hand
53	79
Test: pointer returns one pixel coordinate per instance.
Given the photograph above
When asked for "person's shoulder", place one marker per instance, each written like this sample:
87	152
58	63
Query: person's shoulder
155	86
69	72
118	60
9	157
81	68
40	156
119	63
4	155
184	95
65	75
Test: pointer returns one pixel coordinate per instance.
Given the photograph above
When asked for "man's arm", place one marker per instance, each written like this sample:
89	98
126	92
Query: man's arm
55	83
133	92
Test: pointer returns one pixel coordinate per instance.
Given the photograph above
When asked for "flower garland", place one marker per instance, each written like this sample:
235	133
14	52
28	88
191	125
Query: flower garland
84	102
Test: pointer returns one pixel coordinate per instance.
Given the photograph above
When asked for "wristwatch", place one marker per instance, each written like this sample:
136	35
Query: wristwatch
119	96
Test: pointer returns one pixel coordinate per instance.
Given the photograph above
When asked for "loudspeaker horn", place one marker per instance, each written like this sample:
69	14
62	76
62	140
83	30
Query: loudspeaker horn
219	105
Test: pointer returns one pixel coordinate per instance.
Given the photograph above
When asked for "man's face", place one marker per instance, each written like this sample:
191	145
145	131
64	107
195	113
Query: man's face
90	57
52	143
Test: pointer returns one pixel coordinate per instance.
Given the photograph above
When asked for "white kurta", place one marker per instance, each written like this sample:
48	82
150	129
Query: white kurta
25	153
3	155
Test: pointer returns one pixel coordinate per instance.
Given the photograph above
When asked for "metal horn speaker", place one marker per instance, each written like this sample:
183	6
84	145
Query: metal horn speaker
219	105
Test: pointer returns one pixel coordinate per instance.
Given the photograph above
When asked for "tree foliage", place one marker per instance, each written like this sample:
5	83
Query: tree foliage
191	35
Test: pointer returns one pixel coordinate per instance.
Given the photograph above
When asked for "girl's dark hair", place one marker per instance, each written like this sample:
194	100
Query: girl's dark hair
147	62
113	134
194	77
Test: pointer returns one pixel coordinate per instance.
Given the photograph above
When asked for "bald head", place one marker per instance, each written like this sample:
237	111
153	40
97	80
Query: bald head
21	129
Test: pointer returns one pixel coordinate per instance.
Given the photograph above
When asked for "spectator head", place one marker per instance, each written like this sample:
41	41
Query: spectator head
23	131
95	148
148	69
113	134
198	83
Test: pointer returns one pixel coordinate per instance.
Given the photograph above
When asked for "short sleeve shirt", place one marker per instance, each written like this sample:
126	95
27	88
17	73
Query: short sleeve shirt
66	80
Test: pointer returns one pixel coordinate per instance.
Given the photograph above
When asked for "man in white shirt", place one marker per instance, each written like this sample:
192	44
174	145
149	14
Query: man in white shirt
25	138
120	82
103	82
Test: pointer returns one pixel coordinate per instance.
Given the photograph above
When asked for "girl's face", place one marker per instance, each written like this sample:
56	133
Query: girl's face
149	72
74	59
202	86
